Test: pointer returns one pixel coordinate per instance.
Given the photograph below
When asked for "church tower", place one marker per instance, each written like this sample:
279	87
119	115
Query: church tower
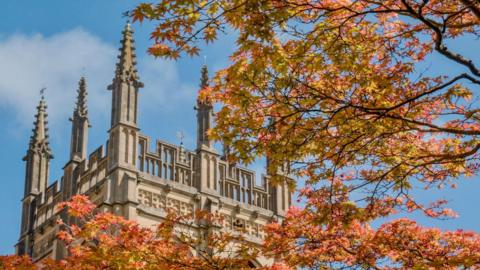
36	176
123	139
139	183
207	156
78	141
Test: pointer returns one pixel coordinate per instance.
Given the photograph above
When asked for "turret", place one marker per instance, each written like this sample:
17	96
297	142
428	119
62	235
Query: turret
125	85
123	134
36	176
38	154
207	156
78	143
80	124
204	114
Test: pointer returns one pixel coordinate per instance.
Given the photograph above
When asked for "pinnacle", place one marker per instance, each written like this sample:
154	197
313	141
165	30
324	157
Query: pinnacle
203	83
81	104
39	138
204	77
126	66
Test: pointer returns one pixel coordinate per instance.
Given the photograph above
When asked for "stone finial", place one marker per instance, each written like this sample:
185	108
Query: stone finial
81	103
39	138
126	67
204	77
204	114
203	84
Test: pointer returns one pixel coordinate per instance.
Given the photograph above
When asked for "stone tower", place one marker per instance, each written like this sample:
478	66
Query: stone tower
137	182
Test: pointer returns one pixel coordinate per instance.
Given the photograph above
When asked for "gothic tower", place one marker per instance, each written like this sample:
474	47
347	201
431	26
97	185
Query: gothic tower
123	139
36	177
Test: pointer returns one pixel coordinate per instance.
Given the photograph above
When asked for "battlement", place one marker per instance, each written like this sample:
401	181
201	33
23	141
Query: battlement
167	161
175	163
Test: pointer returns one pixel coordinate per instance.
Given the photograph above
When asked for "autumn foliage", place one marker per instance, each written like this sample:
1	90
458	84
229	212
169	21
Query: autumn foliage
102	240
340	91
343	93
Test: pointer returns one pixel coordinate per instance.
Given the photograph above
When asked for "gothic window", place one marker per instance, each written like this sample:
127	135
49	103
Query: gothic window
156	168
76	175
127	144
140	157
133	146
129	105
221	178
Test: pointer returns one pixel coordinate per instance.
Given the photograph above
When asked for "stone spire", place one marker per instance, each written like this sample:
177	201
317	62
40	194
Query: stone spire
204	77
127	60
36	176
126	82
39	153
204	114
80	124
39	139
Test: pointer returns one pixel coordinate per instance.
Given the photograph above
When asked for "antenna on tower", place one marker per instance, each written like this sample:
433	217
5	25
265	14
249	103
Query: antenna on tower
205	60
180	136
127	14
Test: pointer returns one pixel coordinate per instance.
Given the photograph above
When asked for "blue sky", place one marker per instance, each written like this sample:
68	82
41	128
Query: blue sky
52	43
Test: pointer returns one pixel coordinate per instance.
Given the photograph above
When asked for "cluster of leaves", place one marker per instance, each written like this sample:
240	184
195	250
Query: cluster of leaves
331	232
339	90
334	85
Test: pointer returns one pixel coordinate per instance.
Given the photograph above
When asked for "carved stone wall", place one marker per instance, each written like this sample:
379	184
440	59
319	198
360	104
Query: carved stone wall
239	224
44	245
160	201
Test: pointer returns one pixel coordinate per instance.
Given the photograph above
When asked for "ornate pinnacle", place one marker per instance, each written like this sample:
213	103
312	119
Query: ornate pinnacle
39	138
126	67
203	84
204	77
81	104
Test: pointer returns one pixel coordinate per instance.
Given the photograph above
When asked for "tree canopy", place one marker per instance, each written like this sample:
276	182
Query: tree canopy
339	91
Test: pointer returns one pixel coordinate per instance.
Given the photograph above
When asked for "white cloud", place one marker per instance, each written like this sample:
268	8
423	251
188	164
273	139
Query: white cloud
29	63
164	88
